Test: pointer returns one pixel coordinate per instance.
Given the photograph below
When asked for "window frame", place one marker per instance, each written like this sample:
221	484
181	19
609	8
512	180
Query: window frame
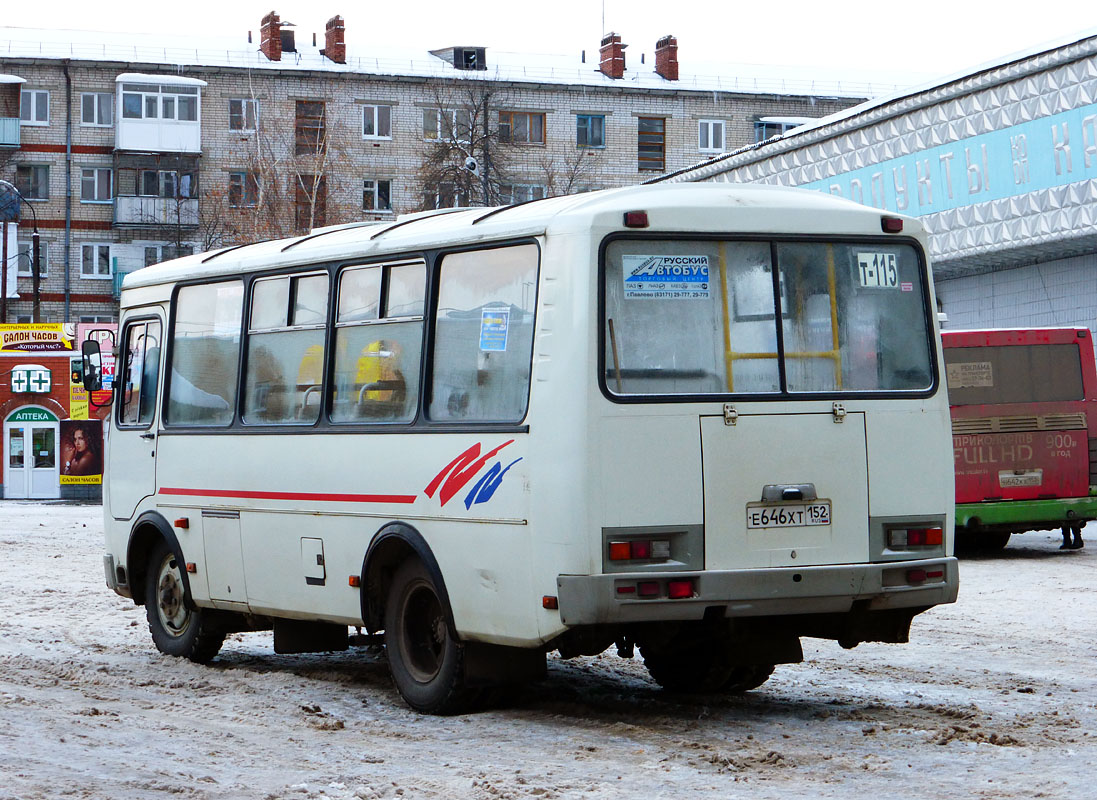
375	108
589	127
781	395
124	366
43	266
309	130
97	174
41	181
96	109
244	184
507	127
110	264
246	104
375	192
648	164
454	118
158	98
32	104
706	127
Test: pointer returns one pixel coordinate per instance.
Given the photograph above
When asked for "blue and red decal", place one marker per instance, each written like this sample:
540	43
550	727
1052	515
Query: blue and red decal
456	475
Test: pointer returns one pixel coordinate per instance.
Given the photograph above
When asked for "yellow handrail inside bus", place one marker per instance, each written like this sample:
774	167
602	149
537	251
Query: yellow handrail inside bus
835	354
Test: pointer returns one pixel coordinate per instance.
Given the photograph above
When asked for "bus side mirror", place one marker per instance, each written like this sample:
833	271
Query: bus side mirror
92	362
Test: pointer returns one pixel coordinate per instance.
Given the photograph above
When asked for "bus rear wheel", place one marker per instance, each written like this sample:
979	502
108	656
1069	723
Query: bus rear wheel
425	659
176	629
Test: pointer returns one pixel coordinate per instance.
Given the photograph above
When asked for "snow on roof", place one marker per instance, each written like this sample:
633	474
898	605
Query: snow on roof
372	59
140	77
12	79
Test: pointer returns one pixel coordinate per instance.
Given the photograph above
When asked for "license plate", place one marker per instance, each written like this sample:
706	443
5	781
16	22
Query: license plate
788	515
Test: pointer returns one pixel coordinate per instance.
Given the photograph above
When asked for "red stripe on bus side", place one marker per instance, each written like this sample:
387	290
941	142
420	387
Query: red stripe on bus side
333	498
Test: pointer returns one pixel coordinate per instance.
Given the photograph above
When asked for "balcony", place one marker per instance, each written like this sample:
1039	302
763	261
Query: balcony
9	131
156	211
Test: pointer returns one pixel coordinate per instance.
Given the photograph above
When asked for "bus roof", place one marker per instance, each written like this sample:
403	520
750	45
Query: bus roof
681	207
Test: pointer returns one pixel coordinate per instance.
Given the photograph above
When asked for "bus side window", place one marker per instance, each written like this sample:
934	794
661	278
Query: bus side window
142	370
483	344
286	349
378	345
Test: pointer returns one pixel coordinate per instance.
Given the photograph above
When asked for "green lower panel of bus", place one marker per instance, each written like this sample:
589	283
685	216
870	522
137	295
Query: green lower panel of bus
1026	514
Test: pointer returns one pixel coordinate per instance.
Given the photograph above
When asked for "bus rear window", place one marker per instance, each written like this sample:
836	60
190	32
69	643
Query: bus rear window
1029	373
693	317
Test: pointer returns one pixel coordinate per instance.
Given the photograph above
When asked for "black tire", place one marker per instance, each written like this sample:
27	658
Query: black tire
743	679
993	541
425	659
176	629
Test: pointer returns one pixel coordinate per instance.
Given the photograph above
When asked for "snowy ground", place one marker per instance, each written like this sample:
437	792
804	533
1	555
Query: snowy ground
995	697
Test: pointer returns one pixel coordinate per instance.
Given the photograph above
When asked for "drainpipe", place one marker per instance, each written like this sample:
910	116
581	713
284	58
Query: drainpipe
68	183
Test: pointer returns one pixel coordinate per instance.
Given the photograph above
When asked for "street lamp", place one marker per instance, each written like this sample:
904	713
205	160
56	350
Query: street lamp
35	249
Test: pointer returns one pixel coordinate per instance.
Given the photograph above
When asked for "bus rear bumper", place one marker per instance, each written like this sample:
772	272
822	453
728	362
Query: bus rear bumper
615	598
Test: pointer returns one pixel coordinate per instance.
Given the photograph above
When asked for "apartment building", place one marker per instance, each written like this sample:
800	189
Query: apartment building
131	150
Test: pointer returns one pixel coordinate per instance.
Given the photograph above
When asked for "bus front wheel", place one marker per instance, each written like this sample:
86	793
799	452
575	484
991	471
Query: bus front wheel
425	659
176	629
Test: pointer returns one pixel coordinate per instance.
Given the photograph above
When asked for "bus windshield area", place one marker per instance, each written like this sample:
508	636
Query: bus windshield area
702	316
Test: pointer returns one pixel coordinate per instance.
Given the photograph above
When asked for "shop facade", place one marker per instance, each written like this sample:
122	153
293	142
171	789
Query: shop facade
52	429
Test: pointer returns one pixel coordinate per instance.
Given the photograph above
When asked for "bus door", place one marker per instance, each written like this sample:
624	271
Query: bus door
132	445
784	489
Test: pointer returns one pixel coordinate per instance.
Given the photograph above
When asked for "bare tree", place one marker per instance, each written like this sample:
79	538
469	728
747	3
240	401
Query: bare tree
571	172
464	160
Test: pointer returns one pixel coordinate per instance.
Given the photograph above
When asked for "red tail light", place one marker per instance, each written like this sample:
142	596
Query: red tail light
676	590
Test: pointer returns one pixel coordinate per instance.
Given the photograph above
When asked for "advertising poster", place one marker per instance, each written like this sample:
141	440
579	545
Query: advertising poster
81	451
42	337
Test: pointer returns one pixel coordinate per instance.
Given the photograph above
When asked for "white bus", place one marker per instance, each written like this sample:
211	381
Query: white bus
702	420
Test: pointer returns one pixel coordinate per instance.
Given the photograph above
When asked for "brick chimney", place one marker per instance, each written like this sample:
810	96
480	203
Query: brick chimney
334	48
270	37
612	53
666	58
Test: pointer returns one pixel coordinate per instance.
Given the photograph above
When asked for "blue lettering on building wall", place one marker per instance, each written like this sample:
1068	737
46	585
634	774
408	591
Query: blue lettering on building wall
1042	154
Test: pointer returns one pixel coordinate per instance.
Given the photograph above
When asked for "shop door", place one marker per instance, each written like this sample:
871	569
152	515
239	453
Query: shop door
31	465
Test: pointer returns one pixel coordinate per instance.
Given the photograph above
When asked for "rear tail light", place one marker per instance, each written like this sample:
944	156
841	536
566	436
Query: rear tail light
901	538
640	550
676	590
648	588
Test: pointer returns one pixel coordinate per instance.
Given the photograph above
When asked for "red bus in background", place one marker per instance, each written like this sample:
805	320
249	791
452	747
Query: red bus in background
1024	432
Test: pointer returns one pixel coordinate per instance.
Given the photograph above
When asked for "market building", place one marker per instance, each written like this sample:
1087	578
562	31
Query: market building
1000	164
132	152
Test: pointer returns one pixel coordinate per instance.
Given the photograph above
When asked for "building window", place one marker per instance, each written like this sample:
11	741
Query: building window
243	115
165	101
376	122
309	126
34	107
376	195
33	181
95	185
25	268
97	108
311	202
510	194
448	125
768	127
102	319
521	127
651	143
590	130
95	261
710	136
166	183
243	190
445	195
